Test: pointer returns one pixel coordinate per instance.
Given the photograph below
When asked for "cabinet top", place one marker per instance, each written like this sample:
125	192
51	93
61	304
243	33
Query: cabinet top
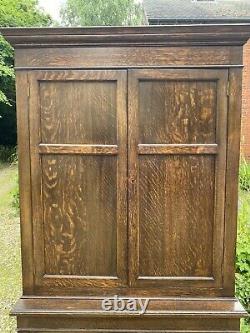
167	35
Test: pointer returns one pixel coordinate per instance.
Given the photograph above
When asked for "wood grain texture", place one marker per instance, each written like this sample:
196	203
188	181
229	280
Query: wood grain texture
78	149
177	111
176	225
205	34
129	325
158	306
205	94
134	200
169	315
99	57
25	188
78	112
152	149
79	199
74	286
233	154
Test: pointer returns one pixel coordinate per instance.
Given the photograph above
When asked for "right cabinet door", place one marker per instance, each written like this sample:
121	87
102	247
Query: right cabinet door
177	157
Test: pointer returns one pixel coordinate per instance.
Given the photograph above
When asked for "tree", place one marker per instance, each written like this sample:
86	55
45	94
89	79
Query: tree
100	12
22	13
6	72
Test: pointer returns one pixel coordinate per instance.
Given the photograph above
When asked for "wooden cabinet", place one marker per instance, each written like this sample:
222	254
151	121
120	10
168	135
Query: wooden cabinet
128	149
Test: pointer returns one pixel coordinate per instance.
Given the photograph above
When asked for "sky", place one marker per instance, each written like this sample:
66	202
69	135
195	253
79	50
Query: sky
52	7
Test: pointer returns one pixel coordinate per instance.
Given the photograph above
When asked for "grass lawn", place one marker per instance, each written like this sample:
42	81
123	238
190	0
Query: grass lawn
10	263
242	241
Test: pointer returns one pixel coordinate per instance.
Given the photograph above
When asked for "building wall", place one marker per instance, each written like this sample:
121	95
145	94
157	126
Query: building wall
245	124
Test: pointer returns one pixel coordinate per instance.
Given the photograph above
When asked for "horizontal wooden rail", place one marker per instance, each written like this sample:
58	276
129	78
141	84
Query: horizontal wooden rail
78	149
177	278
176	149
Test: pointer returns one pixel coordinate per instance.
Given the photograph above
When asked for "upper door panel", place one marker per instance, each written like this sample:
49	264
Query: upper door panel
177	111
78	111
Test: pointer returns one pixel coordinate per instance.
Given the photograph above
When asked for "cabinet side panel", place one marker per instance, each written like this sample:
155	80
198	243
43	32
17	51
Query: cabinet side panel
233	153
22	100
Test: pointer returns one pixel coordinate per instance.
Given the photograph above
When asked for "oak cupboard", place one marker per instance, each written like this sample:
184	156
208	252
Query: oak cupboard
128	159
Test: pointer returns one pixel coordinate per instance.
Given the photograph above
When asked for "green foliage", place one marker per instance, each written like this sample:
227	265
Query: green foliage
243	288
6	73
245	326
244	175
99	12
14	158
7	95
7	154
21	13
16	197
243	255
15	193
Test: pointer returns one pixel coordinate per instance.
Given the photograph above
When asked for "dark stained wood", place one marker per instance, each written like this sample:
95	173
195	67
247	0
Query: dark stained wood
65	120
148	149
78	149
176	108
180	98
91	307
166	315
210	34
79	200
63	287
233	153
176	226
22	101
79	205
99	57
128	159
131	324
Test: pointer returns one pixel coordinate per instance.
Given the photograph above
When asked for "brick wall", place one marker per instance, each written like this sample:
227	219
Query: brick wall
245	125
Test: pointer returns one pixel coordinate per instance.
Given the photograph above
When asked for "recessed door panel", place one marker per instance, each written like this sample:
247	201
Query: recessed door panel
175	222
78	143
177	111
78	112
177	146
80	214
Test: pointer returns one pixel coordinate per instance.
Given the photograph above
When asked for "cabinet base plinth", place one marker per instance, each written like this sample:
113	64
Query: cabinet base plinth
175	315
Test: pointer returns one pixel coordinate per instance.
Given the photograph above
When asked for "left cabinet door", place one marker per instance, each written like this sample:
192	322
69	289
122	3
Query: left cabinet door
78	146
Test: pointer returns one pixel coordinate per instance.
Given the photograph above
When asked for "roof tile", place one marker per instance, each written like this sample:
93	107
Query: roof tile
193	10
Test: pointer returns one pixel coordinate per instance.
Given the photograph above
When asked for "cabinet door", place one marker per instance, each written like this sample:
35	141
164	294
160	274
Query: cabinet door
177	155
78	124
